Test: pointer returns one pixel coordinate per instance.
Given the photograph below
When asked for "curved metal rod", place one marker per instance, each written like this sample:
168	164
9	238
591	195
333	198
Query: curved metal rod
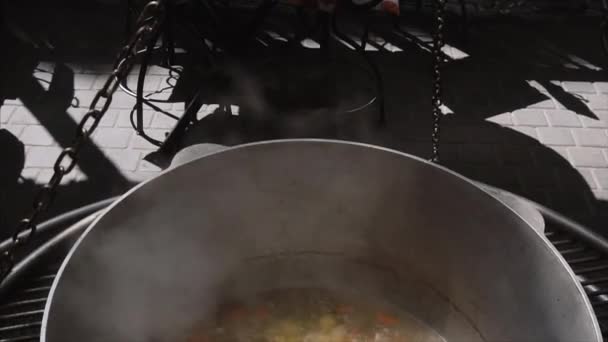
375	70
565	223
573	227
65	218
148	101
41	253
363	106
143	68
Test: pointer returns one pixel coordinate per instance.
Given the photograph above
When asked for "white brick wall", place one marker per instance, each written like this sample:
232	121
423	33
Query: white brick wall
530	117
587	157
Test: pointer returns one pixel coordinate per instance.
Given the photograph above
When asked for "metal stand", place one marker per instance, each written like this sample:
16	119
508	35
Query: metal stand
360	48
328	24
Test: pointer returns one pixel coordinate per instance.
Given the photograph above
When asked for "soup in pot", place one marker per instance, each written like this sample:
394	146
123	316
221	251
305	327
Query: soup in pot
311	315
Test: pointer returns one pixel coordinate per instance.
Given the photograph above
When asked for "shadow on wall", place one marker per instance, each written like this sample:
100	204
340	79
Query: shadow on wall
18	63
504	57
512	64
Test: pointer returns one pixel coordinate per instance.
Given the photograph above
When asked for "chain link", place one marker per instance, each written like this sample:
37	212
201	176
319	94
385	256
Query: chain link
437	55
148	25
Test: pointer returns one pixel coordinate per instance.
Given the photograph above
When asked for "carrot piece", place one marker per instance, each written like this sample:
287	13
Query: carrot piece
386	319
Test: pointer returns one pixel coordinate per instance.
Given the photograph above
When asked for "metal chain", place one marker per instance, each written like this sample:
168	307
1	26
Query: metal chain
437	55
147	27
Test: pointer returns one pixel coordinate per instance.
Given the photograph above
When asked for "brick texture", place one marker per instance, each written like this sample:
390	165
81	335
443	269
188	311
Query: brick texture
23	116
125	159
601	87
84	81
545	104
530	117
5	113
42	156
112	137
563	118
36	135
140	143
579	87
597	101
528	131
124	118
601	176
555	136
593	122
163	121
15	130
591	137
587	157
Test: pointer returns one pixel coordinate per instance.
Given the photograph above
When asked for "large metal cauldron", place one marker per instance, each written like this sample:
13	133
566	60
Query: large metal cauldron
309	213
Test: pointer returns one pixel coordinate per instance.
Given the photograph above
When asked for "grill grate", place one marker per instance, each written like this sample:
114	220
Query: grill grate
21	310
591	267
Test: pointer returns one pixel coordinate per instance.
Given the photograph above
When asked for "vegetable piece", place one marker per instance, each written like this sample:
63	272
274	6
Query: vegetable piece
327	322
386	319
